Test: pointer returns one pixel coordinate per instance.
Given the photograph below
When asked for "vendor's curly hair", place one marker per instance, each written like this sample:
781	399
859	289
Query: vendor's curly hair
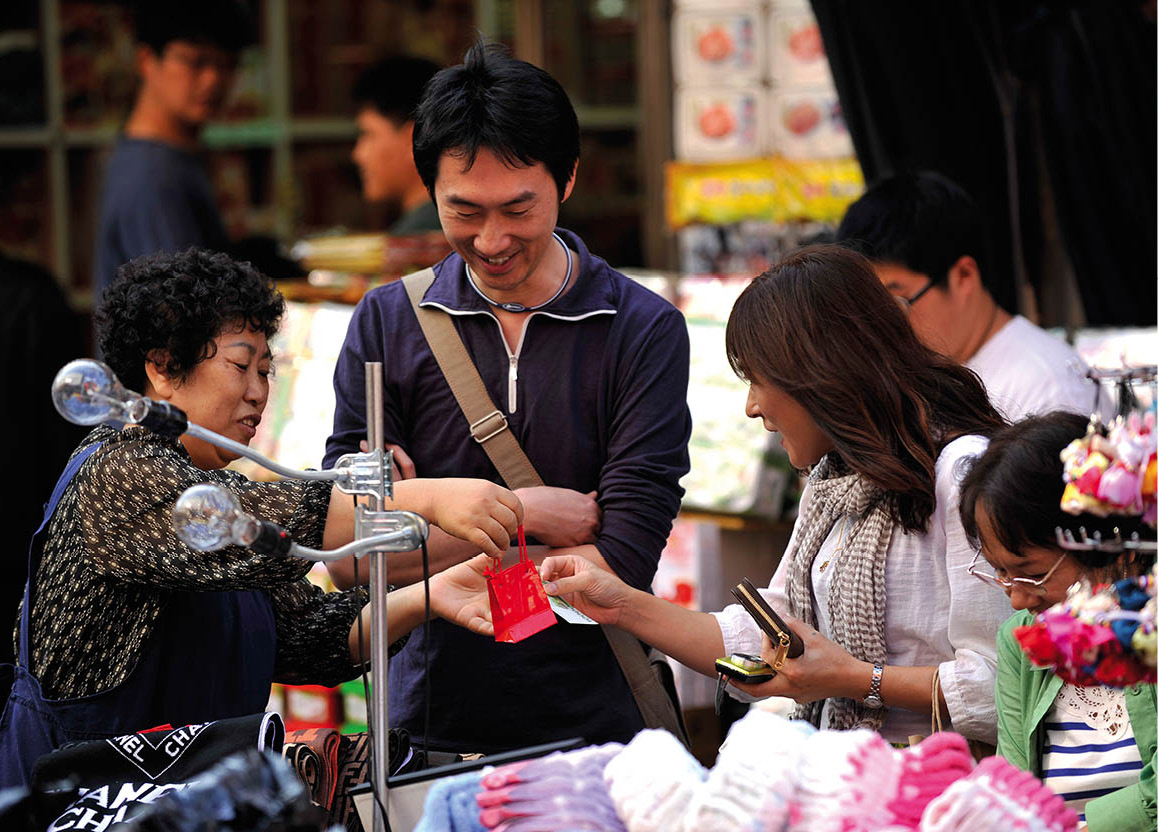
177	304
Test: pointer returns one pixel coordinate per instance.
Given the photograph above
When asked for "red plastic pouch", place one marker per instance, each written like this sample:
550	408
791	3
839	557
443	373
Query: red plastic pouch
519	606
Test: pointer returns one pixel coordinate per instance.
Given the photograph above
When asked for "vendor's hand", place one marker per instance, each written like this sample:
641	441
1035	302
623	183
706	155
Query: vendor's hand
403	464
593	591
459	594
561	517
478	511
824	670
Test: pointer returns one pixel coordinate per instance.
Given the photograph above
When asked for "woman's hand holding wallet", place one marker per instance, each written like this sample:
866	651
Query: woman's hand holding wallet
823	670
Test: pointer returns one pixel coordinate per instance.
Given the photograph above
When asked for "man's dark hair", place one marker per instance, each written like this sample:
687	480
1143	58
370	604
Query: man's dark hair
223	23
393	86
493	101
923	221
179	303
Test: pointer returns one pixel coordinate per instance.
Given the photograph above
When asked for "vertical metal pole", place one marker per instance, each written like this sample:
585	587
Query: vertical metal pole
654	136
57	150
530	35
281	115
379	639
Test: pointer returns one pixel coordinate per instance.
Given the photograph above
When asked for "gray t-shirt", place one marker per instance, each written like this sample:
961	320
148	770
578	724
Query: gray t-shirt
156	197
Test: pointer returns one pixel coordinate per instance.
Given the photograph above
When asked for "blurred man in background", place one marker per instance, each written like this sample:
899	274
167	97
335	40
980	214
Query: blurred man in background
387	94
927	240
156	194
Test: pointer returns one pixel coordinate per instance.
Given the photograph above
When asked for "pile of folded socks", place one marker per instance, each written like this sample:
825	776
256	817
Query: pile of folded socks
997	795
771	775
751	785
450	805
845	781
782	776
927	770
564	790
652	782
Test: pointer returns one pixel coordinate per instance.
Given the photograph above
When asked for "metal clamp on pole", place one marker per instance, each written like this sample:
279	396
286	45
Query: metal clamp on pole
406	529
366	474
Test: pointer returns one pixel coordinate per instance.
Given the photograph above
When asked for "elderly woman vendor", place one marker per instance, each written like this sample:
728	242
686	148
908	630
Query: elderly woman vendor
123	626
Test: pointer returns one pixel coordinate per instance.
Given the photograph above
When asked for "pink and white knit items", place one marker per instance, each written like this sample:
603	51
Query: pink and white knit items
751	786
652	781
559	791
773	775
845	782
996	795
927	770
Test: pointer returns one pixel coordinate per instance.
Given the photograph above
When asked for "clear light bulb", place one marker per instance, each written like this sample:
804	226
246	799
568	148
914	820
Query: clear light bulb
87	392
208	517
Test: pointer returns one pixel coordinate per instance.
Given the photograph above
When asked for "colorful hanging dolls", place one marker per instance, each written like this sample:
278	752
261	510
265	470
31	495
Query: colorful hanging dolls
1105	634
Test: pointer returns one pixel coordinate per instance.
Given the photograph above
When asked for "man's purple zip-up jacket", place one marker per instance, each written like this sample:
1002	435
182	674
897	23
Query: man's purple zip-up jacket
596	394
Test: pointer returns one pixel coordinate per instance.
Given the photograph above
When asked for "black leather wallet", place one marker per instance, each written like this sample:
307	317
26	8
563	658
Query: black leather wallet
766	617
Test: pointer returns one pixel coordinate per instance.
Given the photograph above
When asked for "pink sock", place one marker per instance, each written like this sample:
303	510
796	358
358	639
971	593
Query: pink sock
1026	790
927	770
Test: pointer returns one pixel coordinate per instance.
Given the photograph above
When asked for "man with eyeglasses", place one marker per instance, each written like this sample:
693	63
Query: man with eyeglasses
156	194
927	240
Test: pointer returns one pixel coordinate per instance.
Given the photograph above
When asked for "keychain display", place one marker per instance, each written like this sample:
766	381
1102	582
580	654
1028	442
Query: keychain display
1099	635
1106	634
519	605
1115	473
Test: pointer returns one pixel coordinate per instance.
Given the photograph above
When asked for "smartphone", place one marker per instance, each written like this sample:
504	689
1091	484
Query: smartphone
745	668
767	619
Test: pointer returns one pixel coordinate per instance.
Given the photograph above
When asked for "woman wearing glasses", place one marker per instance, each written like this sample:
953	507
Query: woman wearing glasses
875	575
1094	746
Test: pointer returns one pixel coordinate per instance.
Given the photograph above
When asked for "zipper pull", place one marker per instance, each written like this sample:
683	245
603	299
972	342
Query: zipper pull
512	385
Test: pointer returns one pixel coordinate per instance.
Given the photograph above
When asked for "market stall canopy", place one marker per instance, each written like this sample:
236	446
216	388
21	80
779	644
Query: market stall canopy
1045	111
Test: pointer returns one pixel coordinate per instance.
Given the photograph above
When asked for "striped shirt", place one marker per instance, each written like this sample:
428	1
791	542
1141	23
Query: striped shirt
1083	761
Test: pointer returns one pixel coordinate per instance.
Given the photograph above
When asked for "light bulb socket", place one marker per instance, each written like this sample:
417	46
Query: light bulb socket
271	539
160	417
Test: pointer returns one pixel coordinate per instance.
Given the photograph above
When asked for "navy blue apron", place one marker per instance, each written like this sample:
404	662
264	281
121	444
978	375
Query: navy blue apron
210	656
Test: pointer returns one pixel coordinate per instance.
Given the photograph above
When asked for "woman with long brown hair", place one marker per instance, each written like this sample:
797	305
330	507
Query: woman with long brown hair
874	579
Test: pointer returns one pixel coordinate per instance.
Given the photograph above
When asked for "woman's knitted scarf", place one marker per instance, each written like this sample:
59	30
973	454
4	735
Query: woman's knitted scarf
856	595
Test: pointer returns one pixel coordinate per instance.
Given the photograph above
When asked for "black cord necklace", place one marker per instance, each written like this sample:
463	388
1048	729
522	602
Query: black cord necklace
511	306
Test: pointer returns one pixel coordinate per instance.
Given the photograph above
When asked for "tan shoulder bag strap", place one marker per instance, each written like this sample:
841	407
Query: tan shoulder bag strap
489	428
487	424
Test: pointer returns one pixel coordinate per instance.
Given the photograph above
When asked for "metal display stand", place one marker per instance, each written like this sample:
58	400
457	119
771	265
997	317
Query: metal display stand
1123	379
208	517
379	647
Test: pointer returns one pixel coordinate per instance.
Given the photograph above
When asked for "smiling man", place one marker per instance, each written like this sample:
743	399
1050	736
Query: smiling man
589	371
156	194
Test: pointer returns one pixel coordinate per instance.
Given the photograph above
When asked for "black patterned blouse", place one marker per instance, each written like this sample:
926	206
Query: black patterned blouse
111	558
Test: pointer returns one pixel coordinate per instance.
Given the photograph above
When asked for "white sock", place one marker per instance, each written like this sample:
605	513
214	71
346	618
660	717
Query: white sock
652	780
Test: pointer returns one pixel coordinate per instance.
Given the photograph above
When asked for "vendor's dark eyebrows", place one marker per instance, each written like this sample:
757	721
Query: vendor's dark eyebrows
525	196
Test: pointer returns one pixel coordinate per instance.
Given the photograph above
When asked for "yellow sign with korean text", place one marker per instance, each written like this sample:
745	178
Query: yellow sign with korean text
771	189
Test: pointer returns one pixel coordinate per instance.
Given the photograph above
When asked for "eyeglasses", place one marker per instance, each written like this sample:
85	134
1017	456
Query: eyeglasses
911	300
1036	587
906	303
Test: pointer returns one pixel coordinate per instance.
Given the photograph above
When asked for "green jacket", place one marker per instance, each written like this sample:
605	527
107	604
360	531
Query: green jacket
1025	694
